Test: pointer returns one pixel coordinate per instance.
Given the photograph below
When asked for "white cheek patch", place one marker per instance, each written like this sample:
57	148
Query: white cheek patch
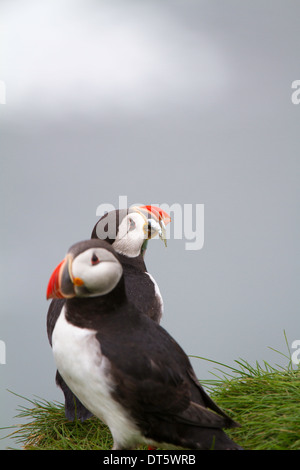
99	279
129	242
103	277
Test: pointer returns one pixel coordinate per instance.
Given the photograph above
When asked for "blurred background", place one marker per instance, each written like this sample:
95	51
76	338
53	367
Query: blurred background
174	101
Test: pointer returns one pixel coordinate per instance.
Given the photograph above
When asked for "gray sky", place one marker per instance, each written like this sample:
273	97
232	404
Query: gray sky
184	102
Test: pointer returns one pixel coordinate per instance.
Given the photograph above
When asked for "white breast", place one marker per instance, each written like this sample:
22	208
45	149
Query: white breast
157	293
85	370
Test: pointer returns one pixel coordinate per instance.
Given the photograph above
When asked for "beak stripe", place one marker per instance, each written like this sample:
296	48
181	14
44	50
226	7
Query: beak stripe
160	214
53	290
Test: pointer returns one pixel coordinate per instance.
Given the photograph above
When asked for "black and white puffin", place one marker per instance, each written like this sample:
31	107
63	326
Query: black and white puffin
124	367
128	231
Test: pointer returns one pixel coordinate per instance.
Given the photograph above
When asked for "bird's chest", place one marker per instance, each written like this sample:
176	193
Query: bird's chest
78	357
87	372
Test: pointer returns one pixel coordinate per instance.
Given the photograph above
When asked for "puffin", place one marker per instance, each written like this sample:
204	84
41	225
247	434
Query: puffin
123	366
128	231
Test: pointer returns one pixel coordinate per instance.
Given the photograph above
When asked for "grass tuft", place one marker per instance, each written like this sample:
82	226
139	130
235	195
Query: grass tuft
48	429
264	399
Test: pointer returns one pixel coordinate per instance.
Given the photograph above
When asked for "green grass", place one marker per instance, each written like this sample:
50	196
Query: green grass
46	428
266	403
265	400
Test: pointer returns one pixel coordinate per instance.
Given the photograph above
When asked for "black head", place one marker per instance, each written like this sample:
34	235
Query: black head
128	230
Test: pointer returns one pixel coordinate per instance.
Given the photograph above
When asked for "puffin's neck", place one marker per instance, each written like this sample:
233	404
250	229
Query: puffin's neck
83	311
137	262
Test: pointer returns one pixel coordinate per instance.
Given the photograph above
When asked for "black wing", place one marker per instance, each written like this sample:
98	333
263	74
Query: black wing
153	375
54	310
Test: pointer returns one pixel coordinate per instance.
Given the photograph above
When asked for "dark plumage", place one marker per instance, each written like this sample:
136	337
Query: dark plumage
140	289
139	286
148	375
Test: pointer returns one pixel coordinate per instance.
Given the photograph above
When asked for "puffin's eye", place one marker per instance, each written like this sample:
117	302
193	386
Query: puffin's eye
131	224
95	259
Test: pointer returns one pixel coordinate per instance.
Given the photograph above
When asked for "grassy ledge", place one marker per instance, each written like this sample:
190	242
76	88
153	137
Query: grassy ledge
265	400
266	403
48	429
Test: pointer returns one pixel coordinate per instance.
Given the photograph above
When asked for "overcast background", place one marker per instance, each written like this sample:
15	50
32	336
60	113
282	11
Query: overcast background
179	101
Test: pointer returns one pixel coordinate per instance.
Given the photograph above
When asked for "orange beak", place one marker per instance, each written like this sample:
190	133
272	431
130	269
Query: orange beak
160	214
53	289
61	283
161	217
